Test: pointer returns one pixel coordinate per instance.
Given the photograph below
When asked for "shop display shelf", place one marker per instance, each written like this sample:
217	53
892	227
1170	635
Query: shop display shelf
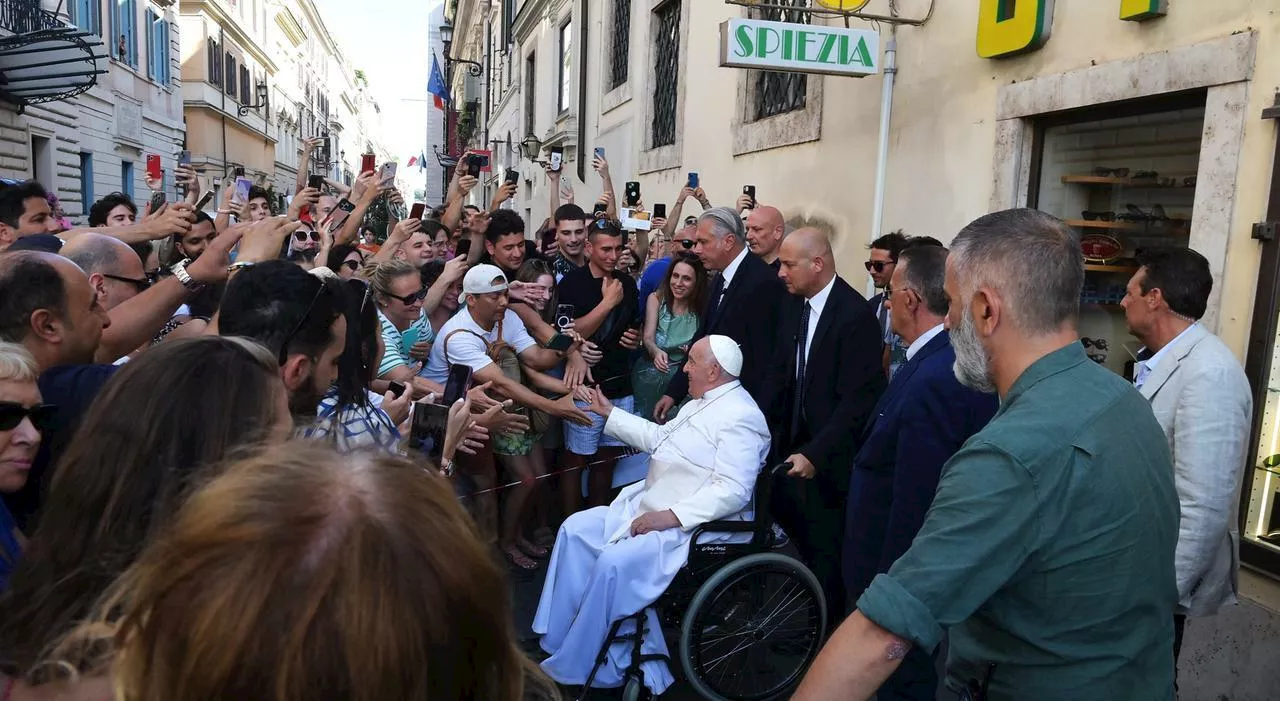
1263	468
1116	225
1099	268
1126	182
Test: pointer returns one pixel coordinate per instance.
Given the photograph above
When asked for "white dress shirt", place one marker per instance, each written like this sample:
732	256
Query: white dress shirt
921	342
1143	369
732	268
817	303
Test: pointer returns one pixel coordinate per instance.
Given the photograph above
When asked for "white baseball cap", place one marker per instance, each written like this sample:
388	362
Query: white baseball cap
480	280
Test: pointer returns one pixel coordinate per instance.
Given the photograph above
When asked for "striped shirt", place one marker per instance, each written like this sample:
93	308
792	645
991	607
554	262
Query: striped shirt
399	342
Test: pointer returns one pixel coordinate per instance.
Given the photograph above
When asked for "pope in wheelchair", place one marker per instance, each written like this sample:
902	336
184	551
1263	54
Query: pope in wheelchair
613	561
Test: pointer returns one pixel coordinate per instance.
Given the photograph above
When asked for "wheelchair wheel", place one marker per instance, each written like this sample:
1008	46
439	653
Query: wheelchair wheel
752	629
634	690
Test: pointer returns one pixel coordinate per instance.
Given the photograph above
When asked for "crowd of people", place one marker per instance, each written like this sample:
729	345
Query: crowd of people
220	481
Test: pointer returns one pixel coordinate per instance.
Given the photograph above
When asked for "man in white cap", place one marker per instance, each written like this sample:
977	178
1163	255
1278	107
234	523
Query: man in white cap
612	561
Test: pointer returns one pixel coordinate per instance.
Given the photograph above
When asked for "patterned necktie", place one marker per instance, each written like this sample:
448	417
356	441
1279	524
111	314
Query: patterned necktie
802	338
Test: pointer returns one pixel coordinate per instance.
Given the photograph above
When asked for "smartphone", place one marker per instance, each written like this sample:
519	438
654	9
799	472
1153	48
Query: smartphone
157	201
455	387
396	388
750	191
599	209
316	182
243	186
693	181
417	211
426	434
473	165
204	199
368	163
660	210
560	342
238	172
463	248
633	193
557	158
564	316
513	176
184	158
600	152
153	167
387	174
339	215
548	235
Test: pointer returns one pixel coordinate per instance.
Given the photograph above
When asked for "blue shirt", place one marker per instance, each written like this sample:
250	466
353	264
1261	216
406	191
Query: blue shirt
651	278
10	551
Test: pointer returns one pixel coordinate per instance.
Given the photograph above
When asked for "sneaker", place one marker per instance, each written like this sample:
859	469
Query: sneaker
780	538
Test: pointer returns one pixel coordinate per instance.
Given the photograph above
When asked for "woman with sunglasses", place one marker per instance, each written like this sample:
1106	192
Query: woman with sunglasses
305	246
345	260
22	418
400	294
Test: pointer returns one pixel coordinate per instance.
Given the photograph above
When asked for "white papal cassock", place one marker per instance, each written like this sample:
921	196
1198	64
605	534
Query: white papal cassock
703	466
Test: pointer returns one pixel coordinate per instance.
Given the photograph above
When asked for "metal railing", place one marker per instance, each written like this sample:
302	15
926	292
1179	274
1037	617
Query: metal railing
24	16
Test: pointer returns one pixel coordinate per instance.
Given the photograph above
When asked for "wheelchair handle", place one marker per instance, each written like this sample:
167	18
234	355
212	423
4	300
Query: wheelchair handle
780	468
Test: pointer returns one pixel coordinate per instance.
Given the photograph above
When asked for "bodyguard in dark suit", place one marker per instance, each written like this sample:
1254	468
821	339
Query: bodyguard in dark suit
743	303
921	421
828	355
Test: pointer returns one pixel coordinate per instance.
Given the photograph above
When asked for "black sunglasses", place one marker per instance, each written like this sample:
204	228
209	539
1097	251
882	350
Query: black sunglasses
12	414
876	265
284	347
302	235
353	264
410	299
143	284
686	243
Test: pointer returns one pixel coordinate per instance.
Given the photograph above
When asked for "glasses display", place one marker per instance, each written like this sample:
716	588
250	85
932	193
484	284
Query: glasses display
1126	183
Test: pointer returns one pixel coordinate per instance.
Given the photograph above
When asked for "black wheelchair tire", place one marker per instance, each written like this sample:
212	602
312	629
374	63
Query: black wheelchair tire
764	562
634	689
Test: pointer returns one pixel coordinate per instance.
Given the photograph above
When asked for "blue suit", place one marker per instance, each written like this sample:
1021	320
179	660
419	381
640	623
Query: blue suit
920	422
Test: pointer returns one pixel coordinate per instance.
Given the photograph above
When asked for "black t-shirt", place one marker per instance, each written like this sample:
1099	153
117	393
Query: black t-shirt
71	388
582	289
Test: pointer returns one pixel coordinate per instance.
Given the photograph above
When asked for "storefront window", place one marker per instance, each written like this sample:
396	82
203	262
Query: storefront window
1126	183
1262	522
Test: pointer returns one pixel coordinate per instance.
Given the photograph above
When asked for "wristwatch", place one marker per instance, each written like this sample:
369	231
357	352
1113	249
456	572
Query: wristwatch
446	468
239	265
179	271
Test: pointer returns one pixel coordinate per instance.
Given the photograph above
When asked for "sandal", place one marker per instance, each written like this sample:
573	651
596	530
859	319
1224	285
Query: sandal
539	552
519	559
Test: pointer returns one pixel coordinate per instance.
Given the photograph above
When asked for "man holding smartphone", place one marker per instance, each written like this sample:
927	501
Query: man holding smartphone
606	307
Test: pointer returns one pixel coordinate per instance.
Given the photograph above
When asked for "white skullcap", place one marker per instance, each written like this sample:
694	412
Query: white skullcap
727	353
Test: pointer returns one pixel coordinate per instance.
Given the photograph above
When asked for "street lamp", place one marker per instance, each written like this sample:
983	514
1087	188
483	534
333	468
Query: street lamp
446	37
262	92
532	147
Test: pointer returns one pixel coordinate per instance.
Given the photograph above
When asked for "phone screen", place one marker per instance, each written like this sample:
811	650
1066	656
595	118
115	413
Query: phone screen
557	158
560	342
463	248
316	182
396	388
660	210
456	385
426	436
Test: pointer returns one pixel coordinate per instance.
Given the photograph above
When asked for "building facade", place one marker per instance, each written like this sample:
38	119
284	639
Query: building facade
1142	123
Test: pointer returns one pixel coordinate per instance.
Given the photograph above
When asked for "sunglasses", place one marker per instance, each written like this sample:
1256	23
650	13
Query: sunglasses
352	264
12	414
685	243
143	284
877	265
301	236
410	299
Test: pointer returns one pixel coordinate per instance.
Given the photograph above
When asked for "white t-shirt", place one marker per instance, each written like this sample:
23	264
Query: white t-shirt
467	349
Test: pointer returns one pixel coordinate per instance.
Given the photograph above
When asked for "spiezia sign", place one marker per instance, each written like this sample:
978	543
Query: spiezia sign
807	48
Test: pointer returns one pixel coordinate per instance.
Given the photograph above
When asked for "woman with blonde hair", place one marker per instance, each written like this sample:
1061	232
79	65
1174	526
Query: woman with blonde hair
302	575
22	420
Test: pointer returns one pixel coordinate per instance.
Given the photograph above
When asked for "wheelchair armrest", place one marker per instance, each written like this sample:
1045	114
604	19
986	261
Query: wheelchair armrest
721	527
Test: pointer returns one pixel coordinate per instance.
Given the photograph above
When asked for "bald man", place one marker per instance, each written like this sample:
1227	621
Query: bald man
829	378
115	271
765	231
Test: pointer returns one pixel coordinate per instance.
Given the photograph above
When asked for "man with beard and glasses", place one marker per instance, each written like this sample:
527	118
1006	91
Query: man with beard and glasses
1048	552
298	316
882	258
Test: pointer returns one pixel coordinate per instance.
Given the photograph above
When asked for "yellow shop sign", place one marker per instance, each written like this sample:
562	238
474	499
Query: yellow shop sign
1012	27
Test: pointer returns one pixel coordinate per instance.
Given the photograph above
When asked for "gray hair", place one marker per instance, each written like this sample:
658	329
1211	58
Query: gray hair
96	253
1033	259
16	364
724	222
924	269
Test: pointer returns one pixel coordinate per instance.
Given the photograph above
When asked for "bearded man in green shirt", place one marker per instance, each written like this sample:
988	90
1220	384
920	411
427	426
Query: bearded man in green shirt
1048	551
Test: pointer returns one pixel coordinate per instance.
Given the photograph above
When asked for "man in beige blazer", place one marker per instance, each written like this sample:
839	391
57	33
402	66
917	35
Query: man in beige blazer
1202	399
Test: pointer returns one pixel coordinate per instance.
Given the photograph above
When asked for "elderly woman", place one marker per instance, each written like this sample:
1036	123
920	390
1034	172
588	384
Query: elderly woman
22	418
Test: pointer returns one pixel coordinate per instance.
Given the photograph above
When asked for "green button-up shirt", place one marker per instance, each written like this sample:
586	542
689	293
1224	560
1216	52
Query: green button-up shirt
1048	550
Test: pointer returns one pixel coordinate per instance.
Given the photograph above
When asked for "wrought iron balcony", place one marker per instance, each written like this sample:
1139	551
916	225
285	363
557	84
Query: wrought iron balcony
25	16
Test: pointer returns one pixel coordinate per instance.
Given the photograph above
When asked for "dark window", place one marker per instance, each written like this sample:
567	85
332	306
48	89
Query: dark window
508	20
230	63
246	87
779	93
530	94
620	49
215	63
666	72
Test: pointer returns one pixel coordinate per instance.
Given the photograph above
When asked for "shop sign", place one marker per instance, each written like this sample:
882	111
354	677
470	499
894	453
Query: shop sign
803	48
1009	27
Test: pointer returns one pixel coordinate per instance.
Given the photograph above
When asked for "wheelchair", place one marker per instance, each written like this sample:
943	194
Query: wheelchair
747	621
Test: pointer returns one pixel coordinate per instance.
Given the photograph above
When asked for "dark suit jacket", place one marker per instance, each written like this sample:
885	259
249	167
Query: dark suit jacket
922	420
844	378
749	316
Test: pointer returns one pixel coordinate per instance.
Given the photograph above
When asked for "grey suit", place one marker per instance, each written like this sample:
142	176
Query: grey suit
1202	400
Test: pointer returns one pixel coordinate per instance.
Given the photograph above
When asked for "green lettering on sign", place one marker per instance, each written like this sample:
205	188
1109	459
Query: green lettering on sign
743	36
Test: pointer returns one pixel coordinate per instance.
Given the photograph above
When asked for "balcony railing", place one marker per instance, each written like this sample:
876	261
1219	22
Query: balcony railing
25	16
